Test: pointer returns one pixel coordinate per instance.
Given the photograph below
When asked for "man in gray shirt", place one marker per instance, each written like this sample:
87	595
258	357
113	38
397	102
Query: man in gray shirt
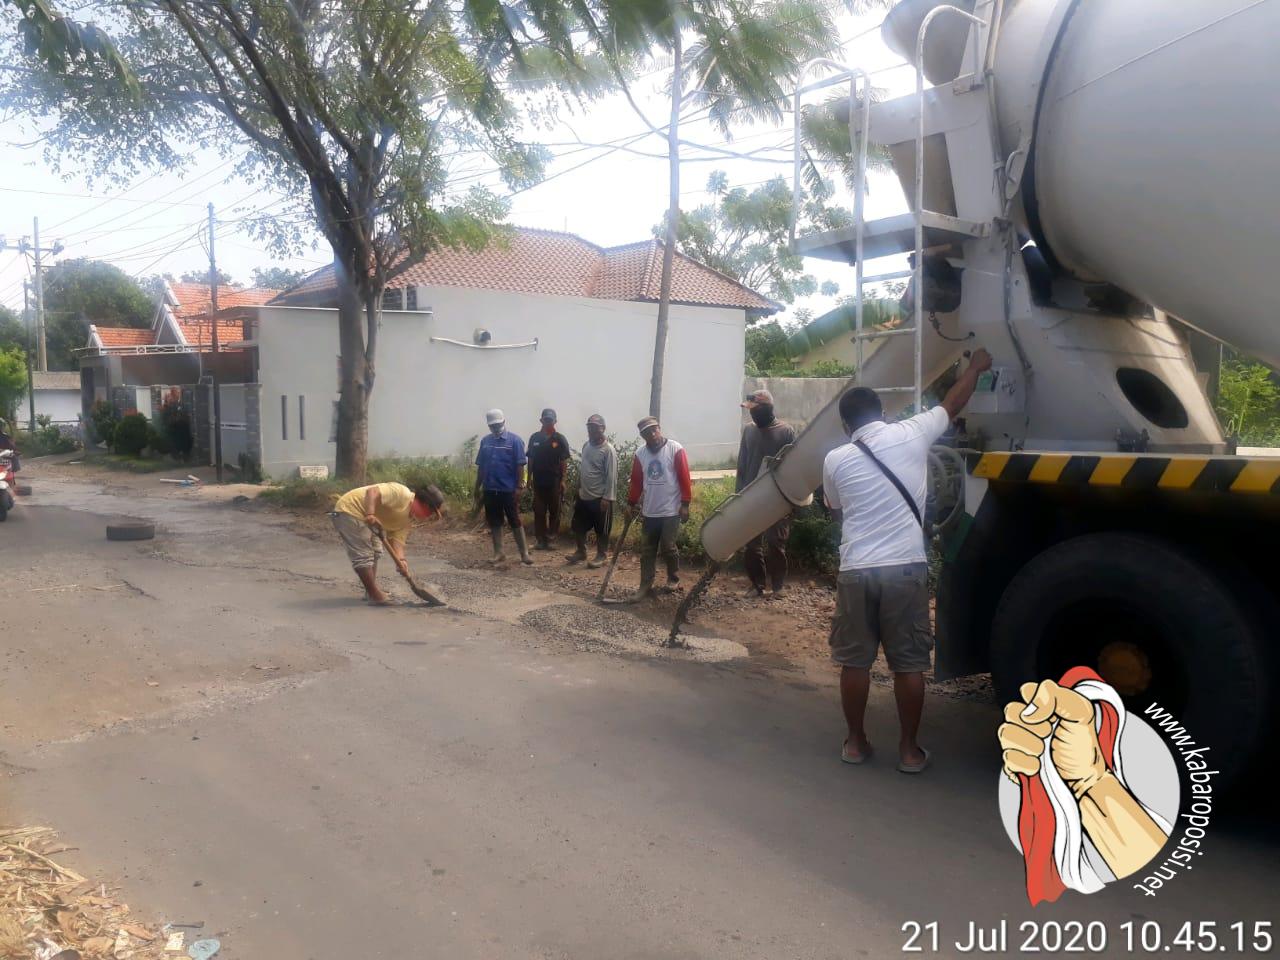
765	557
597	487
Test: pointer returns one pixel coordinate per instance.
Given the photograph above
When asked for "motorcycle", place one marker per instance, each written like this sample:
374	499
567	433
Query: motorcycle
8	485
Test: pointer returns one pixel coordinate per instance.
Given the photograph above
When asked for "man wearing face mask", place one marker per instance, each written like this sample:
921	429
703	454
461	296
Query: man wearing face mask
765	557
500	475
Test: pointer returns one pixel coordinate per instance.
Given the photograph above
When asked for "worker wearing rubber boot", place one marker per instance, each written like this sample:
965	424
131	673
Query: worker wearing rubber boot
500	477
661	490
393	507
765	557
877	482
597	487
548	453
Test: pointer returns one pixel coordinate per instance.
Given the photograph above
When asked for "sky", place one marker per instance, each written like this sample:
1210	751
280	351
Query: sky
154	224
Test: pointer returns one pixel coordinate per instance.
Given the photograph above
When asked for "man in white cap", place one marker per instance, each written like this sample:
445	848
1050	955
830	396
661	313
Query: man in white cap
500	477
661	490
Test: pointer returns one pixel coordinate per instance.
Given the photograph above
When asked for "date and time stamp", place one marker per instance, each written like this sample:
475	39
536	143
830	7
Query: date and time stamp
1241	938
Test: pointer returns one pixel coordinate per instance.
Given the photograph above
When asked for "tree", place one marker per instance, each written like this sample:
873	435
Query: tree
739	57
354	106
278	278
13	381
80	292
13	332
202	276
745	233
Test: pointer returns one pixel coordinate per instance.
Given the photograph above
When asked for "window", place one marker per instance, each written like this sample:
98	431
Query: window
411	298
284	417
391	300
302	417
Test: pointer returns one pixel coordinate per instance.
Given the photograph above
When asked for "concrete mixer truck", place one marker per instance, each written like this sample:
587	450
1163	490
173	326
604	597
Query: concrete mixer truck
1094	198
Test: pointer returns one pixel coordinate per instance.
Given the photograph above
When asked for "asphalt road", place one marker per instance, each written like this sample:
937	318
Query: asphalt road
215	718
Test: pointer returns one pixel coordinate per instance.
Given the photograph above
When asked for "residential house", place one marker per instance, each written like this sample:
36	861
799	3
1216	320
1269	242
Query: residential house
176	349
537	319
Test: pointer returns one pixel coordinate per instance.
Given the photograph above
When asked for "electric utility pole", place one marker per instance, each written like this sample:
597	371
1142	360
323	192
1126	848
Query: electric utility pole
213	320
31	387
34	248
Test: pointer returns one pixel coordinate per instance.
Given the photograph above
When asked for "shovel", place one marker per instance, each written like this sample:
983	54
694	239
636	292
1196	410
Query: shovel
431	594
608	574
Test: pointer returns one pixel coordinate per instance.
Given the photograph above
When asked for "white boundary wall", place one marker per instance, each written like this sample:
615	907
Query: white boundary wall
593	356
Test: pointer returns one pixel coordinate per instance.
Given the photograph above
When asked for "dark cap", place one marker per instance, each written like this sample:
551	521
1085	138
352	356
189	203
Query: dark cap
548	414
596	419
647	424
757	398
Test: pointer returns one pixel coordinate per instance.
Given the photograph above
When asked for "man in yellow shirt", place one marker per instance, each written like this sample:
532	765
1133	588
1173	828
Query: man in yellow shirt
394	507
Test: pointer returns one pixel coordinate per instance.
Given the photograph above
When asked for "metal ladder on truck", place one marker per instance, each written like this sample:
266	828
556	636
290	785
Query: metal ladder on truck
917	231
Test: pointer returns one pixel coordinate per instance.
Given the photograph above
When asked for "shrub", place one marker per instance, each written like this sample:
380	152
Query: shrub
250	469
46	439
103	417
158	442
130	436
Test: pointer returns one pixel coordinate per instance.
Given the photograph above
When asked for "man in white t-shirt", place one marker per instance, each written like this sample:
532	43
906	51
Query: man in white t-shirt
877	483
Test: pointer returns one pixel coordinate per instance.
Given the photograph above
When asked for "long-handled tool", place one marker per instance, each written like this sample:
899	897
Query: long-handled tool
617	552
432	594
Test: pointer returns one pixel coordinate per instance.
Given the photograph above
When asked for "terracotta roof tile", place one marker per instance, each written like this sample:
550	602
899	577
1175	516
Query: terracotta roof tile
124	336
193	298
556	264
199	331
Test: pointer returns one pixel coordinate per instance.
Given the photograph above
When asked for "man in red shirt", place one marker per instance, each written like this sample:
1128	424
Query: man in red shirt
661	491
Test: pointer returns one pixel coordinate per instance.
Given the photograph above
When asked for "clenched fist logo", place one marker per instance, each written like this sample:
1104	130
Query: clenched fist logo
1079	825
1062	718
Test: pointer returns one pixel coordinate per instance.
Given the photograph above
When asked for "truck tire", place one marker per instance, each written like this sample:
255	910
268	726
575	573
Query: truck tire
1153	622
131	531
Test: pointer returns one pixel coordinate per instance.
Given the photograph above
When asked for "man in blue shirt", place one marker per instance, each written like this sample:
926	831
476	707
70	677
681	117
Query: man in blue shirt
500	478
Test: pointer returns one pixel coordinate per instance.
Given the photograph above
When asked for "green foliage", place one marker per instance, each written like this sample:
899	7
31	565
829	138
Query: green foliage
278	278
47	439
249	468
103	418
745	234
1249	403
158	442
13	380
13	332
80	292
130	436
202	276
767	353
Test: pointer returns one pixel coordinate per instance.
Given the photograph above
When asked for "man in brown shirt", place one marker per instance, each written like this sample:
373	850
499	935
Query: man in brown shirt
762	439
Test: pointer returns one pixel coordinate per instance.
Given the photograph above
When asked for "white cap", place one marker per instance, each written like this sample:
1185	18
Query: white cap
494	416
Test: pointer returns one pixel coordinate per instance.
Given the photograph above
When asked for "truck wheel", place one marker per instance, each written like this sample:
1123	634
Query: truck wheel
131	531
1152	622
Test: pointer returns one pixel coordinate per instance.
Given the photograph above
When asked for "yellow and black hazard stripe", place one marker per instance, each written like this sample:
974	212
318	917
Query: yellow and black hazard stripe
1206	474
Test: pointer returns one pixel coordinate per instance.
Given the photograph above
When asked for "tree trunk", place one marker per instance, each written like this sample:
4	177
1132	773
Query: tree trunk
355	381
673	224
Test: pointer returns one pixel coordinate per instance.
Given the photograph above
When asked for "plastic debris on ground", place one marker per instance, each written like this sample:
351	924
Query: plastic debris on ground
203	949
50	912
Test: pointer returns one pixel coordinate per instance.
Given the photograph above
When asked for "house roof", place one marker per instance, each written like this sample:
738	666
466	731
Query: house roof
199	331
124	336
192	299
55	380
556	264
